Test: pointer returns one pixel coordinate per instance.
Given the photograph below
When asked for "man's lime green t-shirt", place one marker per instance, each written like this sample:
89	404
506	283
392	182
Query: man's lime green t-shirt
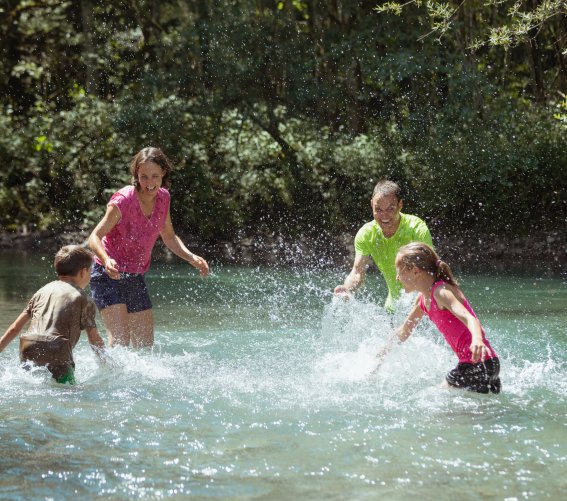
370	241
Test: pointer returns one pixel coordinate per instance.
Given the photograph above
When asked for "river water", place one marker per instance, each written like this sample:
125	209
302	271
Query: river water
260	386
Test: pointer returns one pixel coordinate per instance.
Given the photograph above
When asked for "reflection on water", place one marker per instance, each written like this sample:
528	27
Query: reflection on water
260	386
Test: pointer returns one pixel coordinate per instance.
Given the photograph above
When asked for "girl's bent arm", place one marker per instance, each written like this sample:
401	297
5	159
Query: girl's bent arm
446	299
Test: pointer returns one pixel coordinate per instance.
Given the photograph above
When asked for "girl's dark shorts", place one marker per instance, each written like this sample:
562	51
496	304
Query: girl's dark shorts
130	290
481	377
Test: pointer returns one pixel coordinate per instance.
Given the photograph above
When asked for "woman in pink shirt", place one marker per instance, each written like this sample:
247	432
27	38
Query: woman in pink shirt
420	269
123	241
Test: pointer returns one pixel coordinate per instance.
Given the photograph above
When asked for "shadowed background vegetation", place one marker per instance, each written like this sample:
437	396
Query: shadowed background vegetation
280	116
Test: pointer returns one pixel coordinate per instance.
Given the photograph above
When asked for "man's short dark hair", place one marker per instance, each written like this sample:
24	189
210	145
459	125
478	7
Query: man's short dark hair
386	187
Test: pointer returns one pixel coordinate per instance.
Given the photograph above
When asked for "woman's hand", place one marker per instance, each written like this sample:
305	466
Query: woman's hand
111	267
201	265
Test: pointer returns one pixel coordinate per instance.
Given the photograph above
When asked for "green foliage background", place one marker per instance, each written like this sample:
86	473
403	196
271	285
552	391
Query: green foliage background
281	115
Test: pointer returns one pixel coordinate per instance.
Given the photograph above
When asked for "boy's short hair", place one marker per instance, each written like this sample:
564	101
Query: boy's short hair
71	259
386	187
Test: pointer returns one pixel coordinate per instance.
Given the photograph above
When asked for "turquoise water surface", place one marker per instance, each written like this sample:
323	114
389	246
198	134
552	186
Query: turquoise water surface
260	387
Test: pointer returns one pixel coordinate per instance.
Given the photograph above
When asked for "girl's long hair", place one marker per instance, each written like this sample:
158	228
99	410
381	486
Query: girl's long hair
425	258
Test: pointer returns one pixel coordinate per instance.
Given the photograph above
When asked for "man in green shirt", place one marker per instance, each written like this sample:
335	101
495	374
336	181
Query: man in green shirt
381	239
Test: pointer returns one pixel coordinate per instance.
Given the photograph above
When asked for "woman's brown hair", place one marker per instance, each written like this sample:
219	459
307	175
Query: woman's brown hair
154	155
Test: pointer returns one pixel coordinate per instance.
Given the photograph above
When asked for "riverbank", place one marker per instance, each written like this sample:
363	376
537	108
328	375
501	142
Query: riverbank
543	253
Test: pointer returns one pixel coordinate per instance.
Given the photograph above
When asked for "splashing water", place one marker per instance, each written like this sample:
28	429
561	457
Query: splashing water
261	385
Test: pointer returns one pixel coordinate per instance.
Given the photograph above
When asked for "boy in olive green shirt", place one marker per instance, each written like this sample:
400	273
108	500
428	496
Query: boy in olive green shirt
58	312
381	239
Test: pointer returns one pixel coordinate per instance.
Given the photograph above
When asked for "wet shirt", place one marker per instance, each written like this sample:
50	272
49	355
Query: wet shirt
131	241
59	311
370	241
455	332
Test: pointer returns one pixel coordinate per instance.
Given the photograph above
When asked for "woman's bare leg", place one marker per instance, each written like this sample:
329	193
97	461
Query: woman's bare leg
141	328
115	320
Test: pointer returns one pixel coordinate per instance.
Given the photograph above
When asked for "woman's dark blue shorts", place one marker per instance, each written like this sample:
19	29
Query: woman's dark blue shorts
130	290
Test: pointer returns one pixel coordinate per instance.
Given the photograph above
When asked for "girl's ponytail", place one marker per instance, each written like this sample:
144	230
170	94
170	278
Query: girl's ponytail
445	273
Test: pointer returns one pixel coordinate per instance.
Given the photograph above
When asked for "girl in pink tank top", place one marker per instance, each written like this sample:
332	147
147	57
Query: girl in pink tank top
420	269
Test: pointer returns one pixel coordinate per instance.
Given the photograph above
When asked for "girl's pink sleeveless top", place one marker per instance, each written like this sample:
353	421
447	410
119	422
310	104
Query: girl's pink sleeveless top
454	331
131	241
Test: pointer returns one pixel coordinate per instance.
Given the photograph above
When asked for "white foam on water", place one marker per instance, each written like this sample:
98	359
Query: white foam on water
331	363
278	392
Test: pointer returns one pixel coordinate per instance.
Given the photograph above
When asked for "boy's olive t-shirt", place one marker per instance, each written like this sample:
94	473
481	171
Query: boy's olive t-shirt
370	241
59	311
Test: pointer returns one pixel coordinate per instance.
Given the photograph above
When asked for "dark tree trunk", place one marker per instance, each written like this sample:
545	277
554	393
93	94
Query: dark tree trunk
535	43
91	77
204	43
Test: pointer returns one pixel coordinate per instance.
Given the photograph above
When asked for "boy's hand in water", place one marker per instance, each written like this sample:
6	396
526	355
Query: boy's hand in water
105	358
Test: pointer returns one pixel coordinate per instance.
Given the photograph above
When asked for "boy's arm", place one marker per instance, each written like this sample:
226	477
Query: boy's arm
404	331
95	340
14	330
97	344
